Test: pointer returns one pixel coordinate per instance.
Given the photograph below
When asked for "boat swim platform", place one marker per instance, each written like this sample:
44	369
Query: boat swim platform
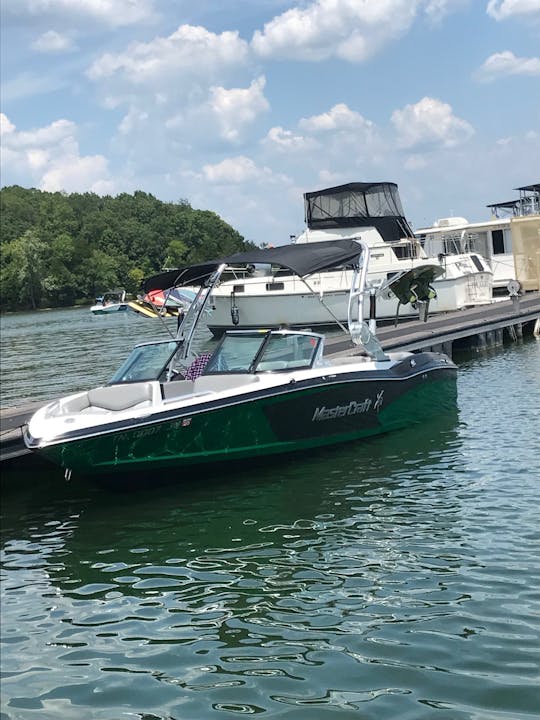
478	328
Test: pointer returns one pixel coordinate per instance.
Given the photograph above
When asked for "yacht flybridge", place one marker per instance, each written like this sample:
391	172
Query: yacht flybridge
373	212
261	392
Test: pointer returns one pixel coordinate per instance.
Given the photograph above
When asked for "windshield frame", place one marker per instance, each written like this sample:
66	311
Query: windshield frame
266	340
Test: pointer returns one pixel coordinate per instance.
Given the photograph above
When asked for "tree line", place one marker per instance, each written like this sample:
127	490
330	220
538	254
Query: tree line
61	249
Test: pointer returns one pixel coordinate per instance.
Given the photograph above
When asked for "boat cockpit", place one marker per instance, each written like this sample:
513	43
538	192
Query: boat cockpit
238	352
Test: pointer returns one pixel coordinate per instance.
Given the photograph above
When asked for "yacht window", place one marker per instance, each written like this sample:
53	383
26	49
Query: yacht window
406	251
476	260
275	286
238	288
498	242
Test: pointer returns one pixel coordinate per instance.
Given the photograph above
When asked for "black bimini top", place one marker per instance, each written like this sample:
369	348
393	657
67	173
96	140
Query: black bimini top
302	260
535	187
358	204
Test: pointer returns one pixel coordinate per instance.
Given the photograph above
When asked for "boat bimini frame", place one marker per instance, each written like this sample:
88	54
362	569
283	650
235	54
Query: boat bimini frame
352	252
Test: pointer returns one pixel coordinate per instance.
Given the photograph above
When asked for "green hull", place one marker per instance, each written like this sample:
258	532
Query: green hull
308	418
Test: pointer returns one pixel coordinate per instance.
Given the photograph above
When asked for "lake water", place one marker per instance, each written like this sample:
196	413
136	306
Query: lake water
393	579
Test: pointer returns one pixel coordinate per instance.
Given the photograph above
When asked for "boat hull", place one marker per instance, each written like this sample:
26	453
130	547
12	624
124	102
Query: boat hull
107	309
296	307
301	416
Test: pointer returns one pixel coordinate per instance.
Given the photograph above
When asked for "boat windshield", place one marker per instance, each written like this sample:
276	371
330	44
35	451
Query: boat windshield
236	353
289	351
264	351
147	361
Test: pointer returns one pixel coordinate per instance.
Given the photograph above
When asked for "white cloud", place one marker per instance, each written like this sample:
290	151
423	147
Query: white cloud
6	127
348	29
238	169
285	140
188	53
132	120
340	117
73	173
506	63
339	142
49	158
114	13
190	85
238	107
504	9
53	42
430	122
59	132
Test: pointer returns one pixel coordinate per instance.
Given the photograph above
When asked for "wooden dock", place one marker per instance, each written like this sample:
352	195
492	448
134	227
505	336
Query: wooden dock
479	328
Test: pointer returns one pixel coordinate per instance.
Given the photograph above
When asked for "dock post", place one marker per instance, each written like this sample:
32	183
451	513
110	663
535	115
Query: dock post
536	331
422	306
519	330
479	342
447	348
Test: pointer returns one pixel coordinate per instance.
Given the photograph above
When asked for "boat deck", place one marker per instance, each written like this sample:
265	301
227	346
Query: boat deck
477	327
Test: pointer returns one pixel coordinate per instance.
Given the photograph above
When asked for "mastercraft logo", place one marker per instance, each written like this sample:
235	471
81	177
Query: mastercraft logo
353	408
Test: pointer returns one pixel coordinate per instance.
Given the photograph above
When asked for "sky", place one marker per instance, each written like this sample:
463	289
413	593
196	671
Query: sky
241	106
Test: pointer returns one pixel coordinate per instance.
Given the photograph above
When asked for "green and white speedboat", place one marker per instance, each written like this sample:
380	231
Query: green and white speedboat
260	393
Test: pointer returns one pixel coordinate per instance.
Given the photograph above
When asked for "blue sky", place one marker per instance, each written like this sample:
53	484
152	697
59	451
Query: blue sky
241	106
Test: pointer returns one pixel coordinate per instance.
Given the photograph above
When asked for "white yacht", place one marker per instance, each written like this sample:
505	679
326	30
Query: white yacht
497	239
270	297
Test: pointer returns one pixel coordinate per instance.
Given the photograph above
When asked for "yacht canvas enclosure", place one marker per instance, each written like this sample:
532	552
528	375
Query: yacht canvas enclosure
359	204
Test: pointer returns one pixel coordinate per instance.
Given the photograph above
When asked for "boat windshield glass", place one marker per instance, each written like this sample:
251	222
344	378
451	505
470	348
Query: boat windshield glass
263	352
146	362
236	353
288	351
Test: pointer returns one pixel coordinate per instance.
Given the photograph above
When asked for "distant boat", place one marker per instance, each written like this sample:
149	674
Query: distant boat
164	303
508	240
372	211
110	302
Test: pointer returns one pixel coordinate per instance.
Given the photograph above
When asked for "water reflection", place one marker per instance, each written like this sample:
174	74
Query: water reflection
302	565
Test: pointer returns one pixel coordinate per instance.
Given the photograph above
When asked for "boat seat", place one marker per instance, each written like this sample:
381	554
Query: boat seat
113	398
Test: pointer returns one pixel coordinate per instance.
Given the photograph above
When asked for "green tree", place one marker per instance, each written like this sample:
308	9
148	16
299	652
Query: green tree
176	254
58	248
98	273
23	261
